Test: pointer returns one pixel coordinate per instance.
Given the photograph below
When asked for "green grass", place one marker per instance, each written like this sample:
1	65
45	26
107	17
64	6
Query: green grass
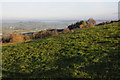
86	53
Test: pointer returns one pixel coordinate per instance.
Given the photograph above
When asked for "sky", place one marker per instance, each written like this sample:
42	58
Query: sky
59	0
59	9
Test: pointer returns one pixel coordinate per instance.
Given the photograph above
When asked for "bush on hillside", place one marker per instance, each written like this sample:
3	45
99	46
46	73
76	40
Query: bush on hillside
17	37
54	32
67	30
6	39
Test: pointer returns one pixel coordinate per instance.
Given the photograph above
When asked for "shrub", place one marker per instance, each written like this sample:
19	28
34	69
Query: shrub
45	33
67	30
91	22
90	25
6	39
81	26
36	35
54	32
27	37
17	37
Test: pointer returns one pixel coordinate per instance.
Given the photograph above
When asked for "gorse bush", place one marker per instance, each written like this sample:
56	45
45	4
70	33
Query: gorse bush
85	53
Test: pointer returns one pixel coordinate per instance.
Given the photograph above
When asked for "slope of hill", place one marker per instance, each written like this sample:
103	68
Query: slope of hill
84	53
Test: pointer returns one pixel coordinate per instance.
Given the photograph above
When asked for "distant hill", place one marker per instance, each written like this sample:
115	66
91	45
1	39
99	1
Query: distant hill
28	25
8	27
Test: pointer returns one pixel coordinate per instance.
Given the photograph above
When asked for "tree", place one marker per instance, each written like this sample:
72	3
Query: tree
91	22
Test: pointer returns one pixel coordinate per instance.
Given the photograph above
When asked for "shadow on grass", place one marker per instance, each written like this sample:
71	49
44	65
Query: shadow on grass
107	69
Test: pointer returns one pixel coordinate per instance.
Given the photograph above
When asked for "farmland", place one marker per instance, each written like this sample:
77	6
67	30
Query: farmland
85	53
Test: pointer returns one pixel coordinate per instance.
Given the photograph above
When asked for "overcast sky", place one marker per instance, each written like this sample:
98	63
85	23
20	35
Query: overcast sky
64	9
59	0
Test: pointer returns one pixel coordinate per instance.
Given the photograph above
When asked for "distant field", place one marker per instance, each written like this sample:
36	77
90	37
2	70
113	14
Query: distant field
86	53
9	28
9	31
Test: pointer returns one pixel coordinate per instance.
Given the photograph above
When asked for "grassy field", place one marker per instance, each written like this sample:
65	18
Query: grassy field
85	53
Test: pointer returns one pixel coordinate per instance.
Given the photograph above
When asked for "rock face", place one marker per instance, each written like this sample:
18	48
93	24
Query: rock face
91	22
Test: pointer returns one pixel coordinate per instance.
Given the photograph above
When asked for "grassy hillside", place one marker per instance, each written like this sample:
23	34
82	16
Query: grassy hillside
84	53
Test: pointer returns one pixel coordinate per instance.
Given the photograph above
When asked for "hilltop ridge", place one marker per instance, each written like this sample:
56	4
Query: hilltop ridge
50	32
